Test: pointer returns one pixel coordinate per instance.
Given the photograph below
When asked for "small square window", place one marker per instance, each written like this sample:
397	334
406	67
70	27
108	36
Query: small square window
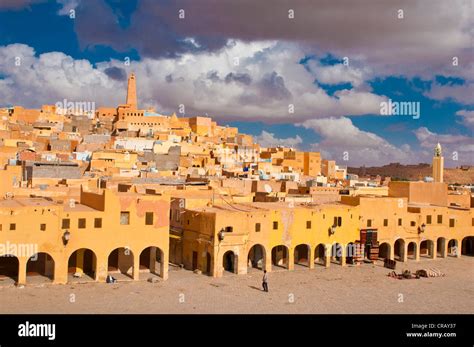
257	227
369	223
124	218
43	227
229	229
399	222
81	223
385	222
12	226
275	225
428	219
149	218
97	222
451	222
308	224
412	223
440	219
66	223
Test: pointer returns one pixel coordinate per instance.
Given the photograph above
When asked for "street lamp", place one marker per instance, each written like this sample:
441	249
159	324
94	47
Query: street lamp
66	237
421	228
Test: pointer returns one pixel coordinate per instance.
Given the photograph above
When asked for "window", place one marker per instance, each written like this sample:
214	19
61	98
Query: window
472	224
124	218
451	222
257	227
385	222
66	223
440	219
1	225
369	223
275	225
81	223
428	219
12	226
43	227
399	222
412	223
339	221
229	229
97	222
308	224
149	218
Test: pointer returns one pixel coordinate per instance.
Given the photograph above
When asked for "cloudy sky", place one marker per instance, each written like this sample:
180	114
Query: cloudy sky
303	73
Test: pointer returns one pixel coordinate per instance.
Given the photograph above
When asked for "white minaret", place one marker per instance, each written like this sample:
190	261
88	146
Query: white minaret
438	164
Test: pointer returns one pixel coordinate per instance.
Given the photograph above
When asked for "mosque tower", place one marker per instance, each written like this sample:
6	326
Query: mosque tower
438	164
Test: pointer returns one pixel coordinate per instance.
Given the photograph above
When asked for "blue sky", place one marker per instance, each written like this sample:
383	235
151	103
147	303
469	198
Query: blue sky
281	62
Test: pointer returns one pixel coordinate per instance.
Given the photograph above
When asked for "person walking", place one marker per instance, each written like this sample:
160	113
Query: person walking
265	281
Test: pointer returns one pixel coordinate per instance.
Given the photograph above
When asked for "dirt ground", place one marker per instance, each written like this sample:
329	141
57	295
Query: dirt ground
352	289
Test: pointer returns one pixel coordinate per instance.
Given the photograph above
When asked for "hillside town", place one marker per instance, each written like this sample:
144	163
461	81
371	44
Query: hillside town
90	194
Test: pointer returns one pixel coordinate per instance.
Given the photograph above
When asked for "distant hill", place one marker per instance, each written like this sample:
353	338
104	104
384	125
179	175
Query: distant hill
462	175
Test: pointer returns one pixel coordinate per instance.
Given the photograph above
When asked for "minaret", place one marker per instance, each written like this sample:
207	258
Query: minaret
438	164
132	92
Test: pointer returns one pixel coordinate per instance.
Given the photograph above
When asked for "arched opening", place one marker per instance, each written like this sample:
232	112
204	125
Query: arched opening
467	246
82	265
351	252
453	248
151	261
40	268
426	249
301	255
120	263
208	264
440	247
9	266
320	255
384	251
256	257
230	262
336	253
411	250
399	249
280	256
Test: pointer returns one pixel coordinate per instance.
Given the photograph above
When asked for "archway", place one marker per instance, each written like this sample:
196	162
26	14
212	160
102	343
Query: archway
120	262
426	249
40	268
208	264
82	264
351	252
384	251
336	253
467	246
280	256
230	262
9	267
441	247
320	254
256	257
399	249
453	248
151	261
411	250
301	255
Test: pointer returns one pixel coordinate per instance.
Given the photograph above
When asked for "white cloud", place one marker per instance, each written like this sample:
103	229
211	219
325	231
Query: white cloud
467	118
460	93
266	81
266	139
457	149
341	138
